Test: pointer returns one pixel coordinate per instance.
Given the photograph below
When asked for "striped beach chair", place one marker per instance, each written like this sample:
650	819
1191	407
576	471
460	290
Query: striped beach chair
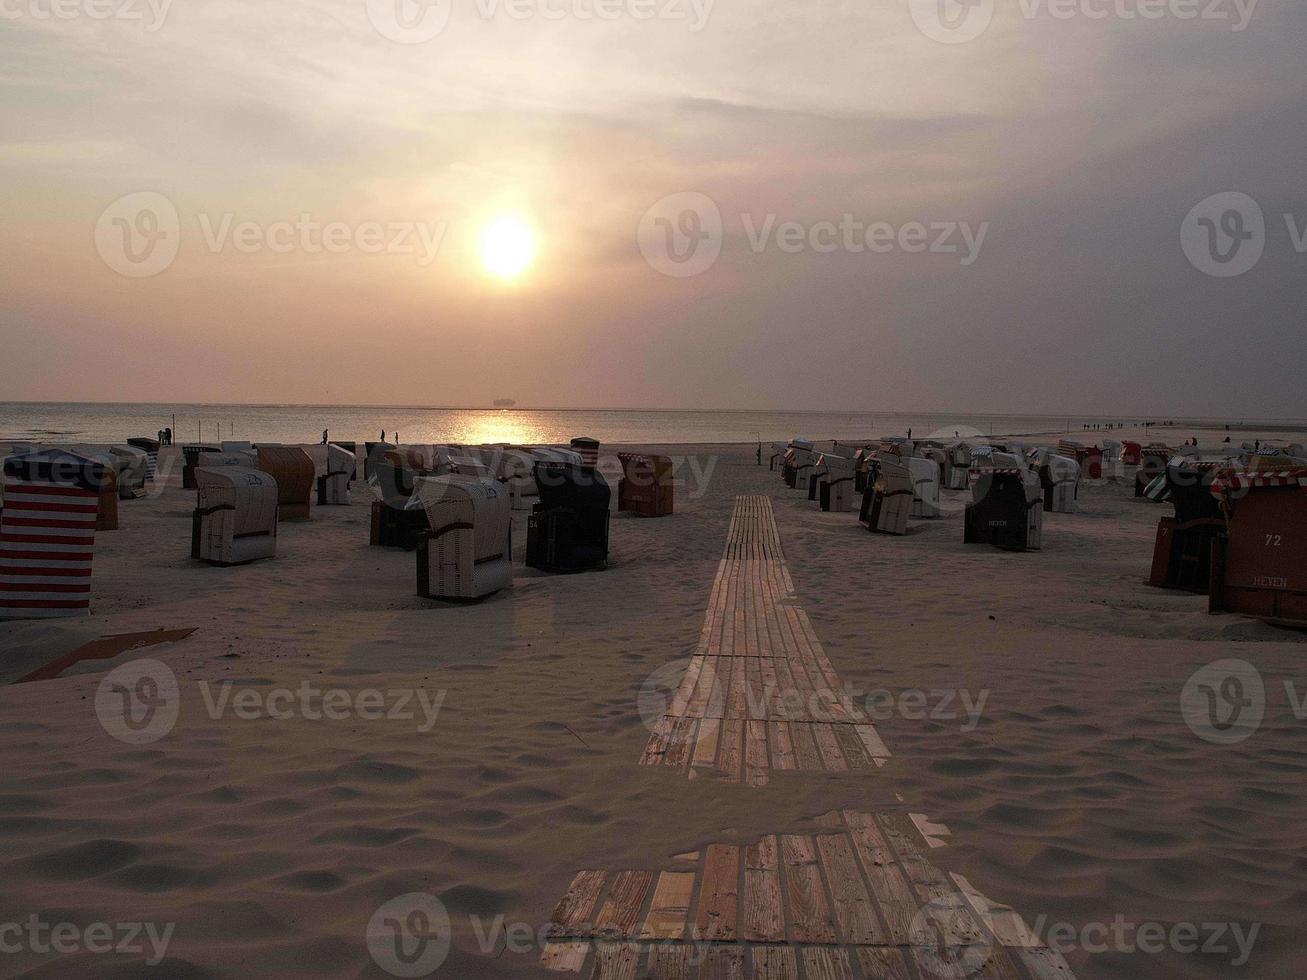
47	534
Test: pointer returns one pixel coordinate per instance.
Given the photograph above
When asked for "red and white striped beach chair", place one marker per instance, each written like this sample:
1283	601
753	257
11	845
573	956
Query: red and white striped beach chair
47	534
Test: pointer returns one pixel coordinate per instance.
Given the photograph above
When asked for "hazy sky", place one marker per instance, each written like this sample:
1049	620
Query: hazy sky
1070	140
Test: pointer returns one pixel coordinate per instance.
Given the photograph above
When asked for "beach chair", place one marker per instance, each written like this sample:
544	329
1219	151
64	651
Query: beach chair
960	456
1006	509
237	446
292	469
1152	465
1090	458
333	484
647	485
835	483
801	461
393	523
151	449
47	533
1182	550
467	550
1259	568
779	449
235	516
587	449
887	501
191	459
1131	453
568	529
925	486
1060	478
133	471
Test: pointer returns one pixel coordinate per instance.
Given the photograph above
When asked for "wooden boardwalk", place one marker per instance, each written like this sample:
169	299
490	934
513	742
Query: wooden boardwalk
759	693
857	899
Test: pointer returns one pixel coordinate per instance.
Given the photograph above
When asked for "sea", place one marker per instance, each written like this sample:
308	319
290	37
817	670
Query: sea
100	423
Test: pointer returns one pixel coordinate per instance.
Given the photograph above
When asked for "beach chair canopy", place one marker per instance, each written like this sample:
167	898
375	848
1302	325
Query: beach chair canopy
251	493
454	502
60	467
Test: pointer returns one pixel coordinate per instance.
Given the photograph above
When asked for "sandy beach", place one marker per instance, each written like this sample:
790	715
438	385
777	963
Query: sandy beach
1030	703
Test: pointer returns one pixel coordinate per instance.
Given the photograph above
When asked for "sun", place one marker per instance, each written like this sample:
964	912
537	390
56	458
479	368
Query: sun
508	247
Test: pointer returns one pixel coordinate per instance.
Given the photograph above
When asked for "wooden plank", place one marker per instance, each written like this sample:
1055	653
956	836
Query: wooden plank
805	748
657	745
681	742
782	745
854	911
774	963
1045	964
831	756
622	909
854	751
722	963
719	895
809	910
615	961
827	964
879	963
564	957
755	753
871	739
705	747
731	753
898	904
681	699
572	914
670	963
670	907
763	916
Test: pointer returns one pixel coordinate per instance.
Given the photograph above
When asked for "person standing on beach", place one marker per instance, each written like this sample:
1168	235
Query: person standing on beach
383	435
324	437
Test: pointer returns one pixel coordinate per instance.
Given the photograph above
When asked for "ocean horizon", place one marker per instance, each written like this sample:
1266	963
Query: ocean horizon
104	422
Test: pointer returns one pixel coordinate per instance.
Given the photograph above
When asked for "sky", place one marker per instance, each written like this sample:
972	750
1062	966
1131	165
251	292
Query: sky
1091	206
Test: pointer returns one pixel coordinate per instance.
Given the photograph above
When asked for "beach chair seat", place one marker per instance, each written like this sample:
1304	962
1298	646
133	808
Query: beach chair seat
647	485
467	550
835	483
1060	478
1259	568
925	486
393	524
235	516
47	533
568	529
293	470
887	502
1182	549
191	459
1006	509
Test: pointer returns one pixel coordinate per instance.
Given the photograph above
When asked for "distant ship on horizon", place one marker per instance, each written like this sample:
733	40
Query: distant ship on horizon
505	402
